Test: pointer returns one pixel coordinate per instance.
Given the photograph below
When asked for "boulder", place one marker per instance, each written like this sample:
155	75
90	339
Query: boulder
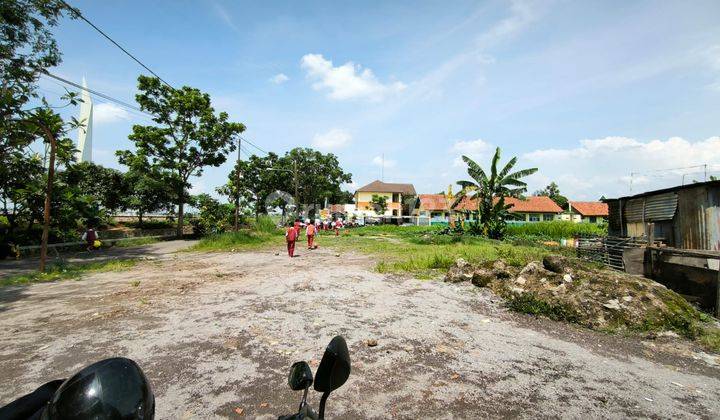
531	269
555	263
482	276
459	272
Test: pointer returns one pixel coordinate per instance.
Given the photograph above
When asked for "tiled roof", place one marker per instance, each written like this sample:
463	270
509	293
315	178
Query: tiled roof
590	208
384	187
530	204
433	202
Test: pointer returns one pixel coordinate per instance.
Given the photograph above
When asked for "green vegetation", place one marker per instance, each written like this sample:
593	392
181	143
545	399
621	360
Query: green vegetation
529	303
555	230
487	194
261	233
64	271
421	251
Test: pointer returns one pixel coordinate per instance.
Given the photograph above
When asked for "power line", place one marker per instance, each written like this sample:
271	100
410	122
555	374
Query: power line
253	145
96	93
78	14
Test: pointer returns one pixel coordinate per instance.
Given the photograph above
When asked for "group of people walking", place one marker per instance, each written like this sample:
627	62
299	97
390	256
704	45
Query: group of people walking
292	233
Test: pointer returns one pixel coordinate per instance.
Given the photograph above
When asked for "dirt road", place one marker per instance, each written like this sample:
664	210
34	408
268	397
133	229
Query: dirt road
156	250
216	332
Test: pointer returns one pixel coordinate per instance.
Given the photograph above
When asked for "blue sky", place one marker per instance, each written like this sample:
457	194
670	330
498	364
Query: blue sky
588	92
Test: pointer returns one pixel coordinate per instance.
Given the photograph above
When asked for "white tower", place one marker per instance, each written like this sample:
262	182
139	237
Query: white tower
84	144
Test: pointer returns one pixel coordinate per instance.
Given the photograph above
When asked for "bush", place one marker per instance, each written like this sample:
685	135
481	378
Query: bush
264	224
556	229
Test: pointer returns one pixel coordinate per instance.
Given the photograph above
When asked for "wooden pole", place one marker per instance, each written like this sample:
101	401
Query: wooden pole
717	293
48	194
237	188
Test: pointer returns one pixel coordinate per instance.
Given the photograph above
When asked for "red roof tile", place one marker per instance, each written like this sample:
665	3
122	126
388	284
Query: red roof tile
530	204
590	208
433	202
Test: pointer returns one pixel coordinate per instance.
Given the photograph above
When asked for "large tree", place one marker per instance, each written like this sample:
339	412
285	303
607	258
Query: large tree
188	135
319	176
553	192
488	192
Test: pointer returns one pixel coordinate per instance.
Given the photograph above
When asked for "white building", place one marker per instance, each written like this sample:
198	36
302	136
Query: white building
84	144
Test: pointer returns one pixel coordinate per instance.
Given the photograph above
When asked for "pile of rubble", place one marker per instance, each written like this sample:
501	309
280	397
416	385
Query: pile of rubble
596	298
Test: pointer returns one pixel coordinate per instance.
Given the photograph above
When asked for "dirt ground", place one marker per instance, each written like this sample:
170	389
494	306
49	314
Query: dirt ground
218	332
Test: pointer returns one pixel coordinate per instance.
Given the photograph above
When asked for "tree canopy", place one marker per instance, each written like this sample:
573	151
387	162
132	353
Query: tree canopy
553	192
188	135
489	193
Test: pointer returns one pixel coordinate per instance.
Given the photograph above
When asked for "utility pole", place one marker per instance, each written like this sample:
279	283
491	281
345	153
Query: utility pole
382	169
48	193
297	188
237	187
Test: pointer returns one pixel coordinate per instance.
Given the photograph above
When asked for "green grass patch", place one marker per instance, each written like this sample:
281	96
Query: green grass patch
65	271
241	240
529	303
418	250
555	230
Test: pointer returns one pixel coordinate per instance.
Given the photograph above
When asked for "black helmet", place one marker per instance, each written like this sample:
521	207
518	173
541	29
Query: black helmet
109	389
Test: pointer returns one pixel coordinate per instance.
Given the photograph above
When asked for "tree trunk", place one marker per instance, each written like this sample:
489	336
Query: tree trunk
48	194
237	212
140	219
181	217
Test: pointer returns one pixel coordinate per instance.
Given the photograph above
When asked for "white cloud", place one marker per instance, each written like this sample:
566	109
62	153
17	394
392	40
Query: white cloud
332	140
279	79
615	166
106	113
475	149
348	81
388	163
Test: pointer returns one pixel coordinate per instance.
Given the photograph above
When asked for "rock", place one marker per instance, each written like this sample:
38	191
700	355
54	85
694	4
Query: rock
337	255
459	272
517	290
627	298
499	265
520	280
533	267
561	289
482	276
568	278
612	304
371	342
277	253
555	263
669	334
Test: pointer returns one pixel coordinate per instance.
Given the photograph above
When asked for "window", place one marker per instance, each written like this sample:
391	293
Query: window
593	219
547	217
534	217
396	198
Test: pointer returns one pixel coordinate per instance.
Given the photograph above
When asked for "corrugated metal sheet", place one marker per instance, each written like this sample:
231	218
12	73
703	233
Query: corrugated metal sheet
634	210
652	208
660	207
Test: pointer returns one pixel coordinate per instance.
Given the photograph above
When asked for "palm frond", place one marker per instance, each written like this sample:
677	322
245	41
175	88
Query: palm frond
522	173
474	170
507	168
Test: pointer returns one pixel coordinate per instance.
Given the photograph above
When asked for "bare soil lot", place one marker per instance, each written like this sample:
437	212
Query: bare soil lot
219	331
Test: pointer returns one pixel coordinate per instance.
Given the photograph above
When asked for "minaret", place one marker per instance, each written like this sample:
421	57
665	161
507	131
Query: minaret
84	144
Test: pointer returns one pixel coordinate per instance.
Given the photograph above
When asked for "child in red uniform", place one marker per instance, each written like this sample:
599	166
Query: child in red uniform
310	232
290	238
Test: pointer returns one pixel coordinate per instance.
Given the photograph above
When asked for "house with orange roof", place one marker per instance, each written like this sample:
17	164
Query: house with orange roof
588	211
434	207
528	209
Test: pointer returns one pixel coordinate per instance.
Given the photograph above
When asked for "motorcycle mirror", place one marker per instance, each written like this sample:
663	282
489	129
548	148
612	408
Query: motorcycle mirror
334	367
300	376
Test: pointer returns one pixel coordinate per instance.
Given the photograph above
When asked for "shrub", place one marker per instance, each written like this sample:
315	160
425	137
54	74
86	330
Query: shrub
556	229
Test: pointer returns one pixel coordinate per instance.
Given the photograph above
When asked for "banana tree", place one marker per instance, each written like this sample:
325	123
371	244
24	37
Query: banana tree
488	193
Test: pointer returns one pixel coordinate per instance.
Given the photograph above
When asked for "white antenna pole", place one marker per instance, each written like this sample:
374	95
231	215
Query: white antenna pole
382	169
